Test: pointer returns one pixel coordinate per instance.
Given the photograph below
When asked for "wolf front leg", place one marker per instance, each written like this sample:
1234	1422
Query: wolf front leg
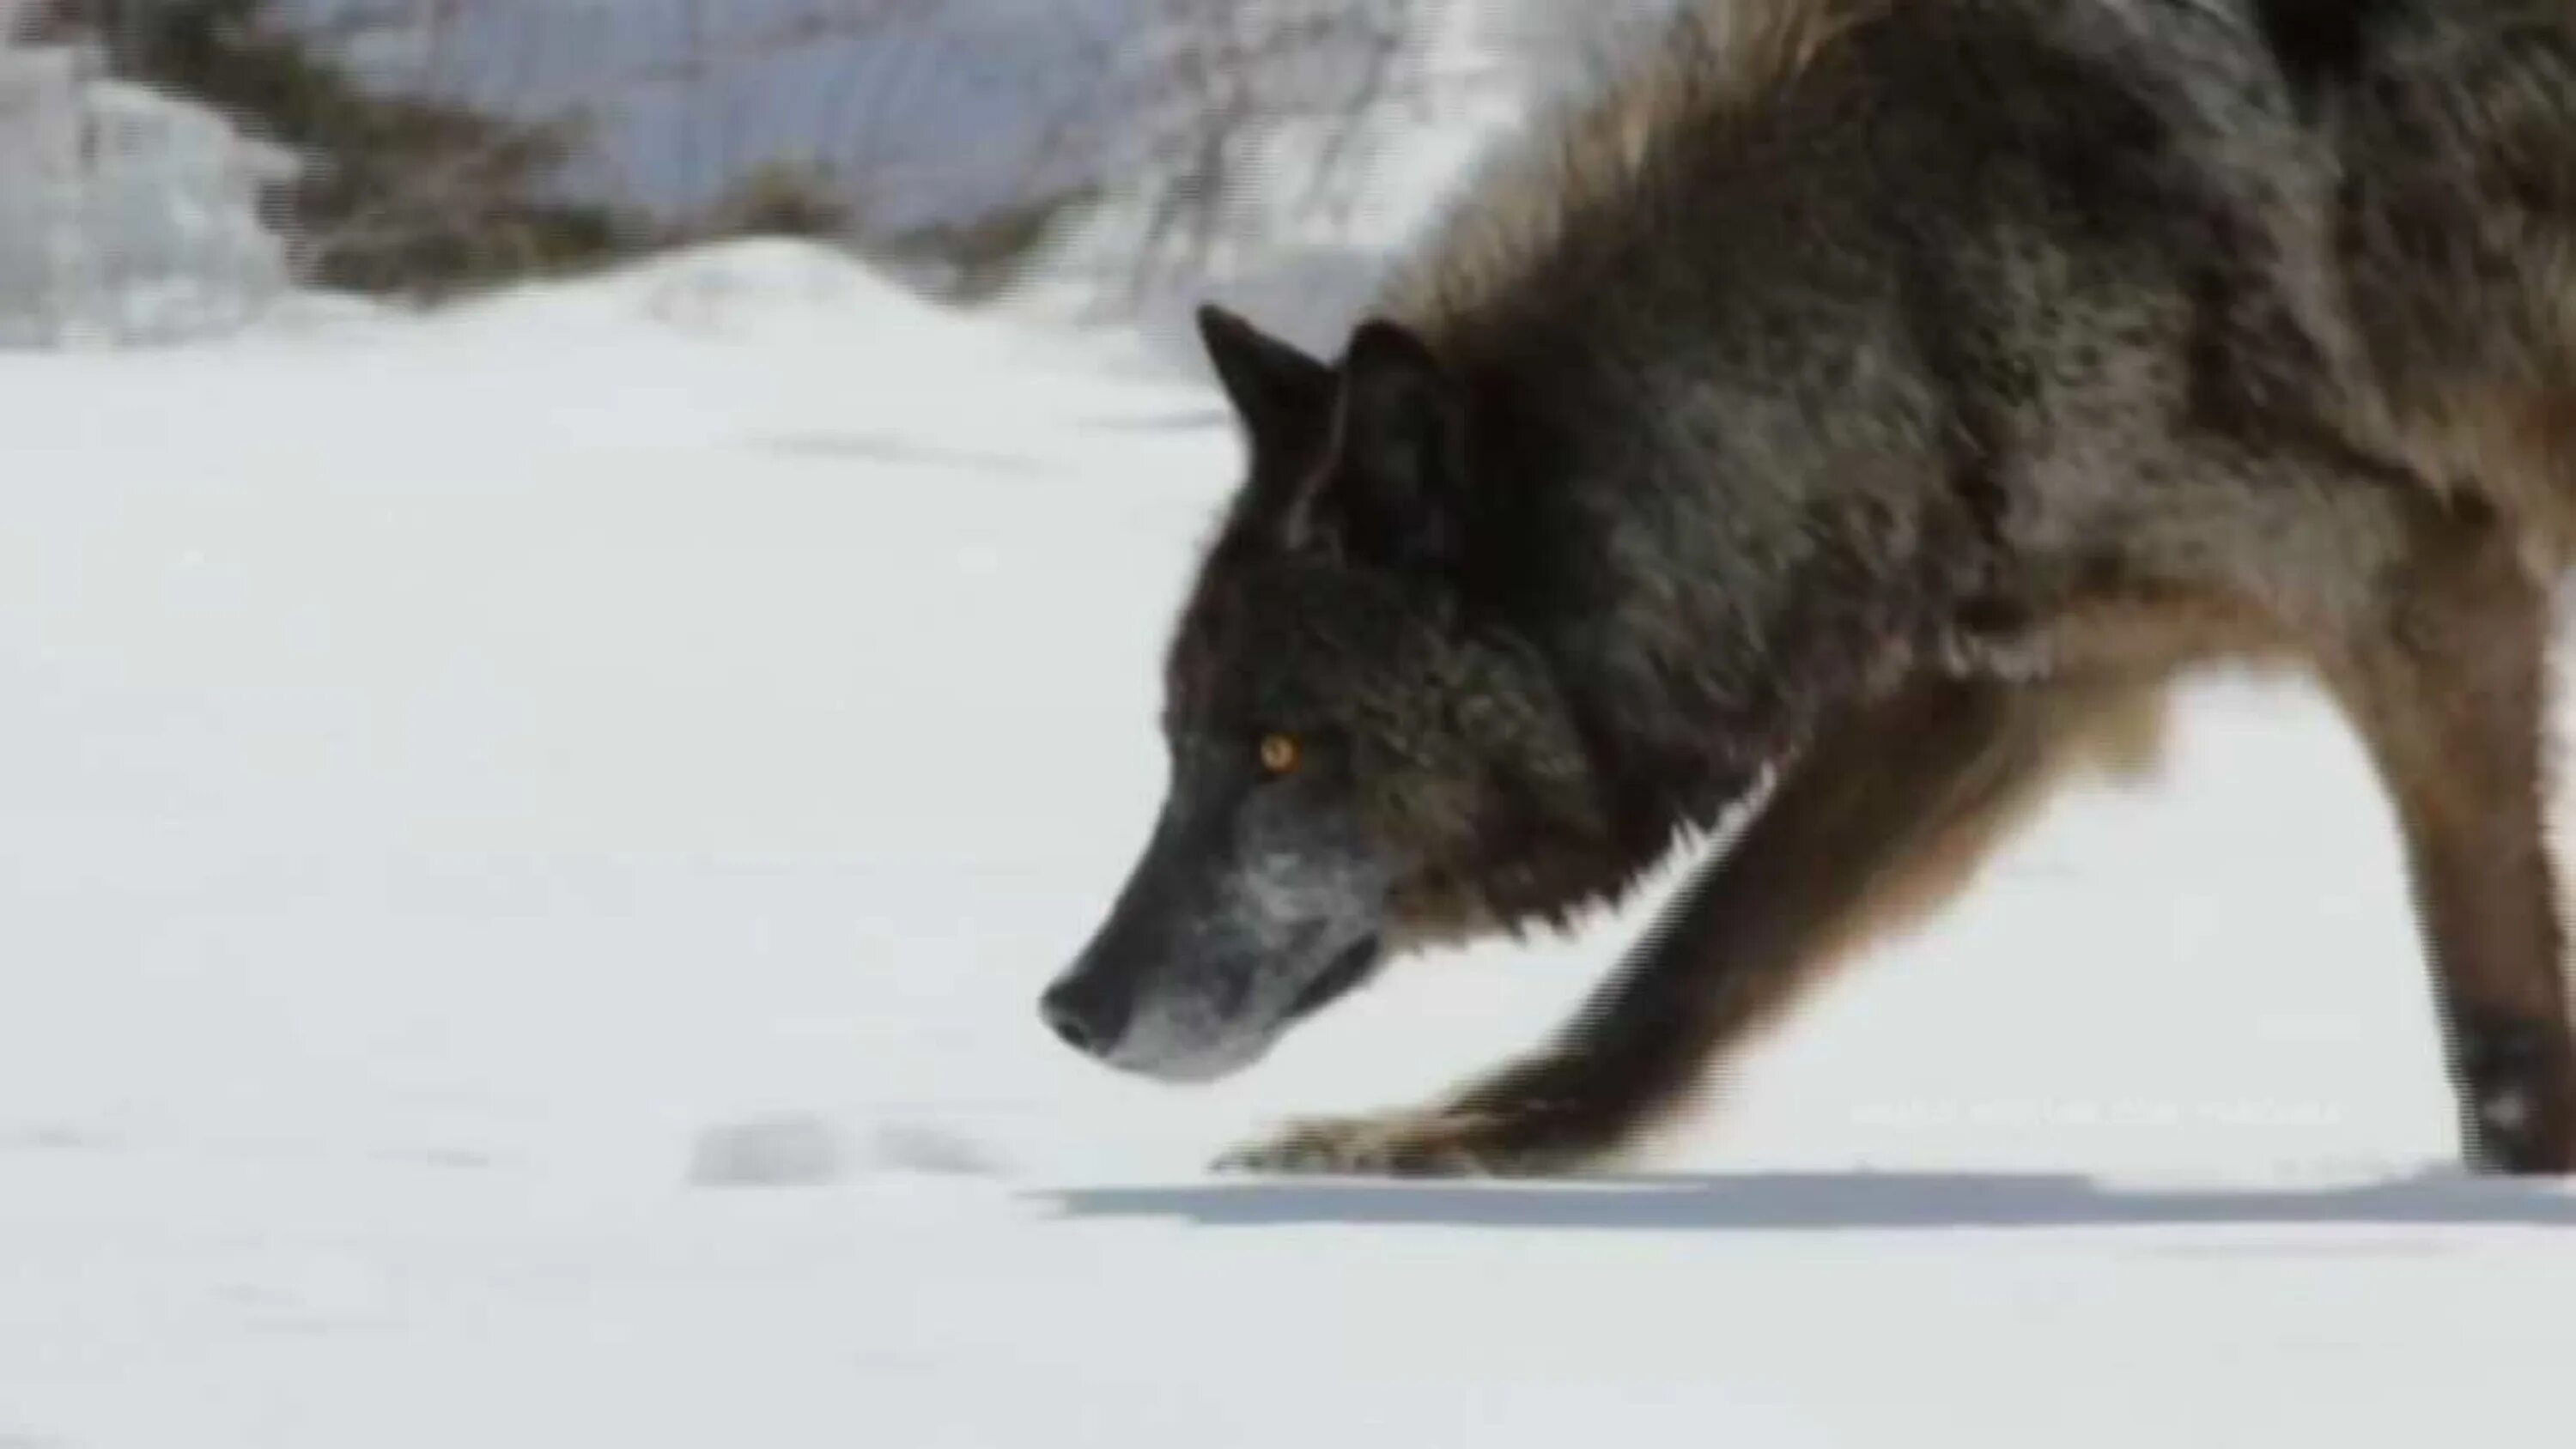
2448	687
1882	818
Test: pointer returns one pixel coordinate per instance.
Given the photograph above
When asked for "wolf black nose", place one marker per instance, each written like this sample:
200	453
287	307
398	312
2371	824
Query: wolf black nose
1084	1018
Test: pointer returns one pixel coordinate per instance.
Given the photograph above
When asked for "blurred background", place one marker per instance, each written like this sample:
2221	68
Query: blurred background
167	167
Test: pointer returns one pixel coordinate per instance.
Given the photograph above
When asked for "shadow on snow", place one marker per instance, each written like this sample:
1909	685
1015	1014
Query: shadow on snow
1811	1202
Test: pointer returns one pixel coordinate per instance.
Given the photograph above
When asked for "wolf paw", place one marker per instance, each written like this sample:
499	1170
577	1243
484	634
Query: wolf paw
1427	1145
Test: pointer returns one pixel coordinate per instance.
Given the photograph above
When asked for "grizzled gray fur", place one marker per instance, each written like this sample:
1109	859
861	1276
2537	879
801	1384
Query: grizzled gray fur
1858	413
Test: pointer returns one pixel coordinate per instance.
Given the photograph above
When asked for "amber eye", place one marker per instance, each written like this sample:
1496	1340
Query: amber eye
1278	754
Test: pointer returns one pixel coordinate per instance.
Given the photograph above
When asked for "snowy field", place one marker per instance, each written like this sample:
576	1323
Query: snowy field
529	841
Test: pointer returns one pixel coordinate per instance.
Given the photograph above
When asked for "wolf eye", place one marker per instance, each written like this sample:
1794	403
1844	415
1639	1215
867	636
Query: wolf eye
1279	753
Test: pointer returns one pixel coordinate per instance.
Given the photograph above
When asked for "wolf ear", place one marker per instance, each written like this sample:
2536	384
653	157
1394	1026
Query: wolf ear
1283	396
1393	489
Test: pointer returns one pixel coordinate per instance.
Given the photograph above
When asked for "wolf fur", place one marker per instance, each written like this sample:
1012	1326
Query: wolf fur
1880	401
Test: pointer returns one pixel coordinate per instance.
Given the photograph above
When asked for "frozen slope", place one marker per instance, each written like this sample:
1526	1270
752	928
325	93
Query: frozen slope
528	842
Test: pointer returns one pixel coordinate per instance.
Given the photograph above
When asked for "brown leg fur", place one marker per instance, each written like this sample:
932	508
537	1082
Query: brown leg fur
1881	820
2450	694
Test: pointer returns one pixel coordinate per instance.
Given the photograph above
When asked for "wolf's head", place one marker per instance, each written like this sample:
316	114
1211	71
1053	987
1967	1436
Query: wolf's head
1363	756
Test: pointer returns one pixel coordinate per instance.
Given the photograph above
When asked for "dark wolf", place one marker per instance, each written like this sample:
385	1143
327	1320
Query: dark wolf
1851	421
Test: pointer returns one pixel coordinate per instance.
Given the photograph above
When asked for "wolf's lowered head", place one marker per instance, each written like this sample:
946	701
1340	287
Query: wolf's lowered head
1362	757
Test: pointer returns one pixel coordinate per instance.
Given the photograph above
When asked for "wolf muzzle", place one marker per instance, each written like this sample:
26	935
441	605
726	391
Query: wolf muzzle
1140	957
1233	927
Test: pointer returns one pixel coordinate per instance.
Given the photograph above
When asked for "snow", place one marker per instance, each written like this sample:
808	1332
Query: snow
125	215
529	839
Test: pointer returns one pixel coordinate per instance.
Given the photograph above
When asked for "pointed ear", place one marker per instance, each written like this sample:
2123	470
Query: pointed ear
1283	396
1394	491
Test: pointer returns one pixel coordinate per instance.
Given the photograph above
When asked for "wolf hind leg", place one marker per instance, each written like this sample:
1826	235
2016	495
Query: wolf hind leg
1881	820
2449	691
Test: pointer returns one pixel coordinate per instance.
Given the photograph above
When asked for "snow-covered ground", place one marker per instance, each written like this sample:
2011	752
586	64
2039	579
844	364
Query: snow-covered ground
528	842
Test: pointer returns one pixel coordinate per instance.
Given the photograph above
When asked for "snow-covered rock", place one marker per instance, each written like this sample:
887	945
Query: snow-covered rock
126	216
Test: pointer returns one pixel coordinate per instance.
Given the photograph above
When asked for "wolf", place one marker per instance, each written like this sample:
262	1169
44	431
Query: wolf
1843	428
